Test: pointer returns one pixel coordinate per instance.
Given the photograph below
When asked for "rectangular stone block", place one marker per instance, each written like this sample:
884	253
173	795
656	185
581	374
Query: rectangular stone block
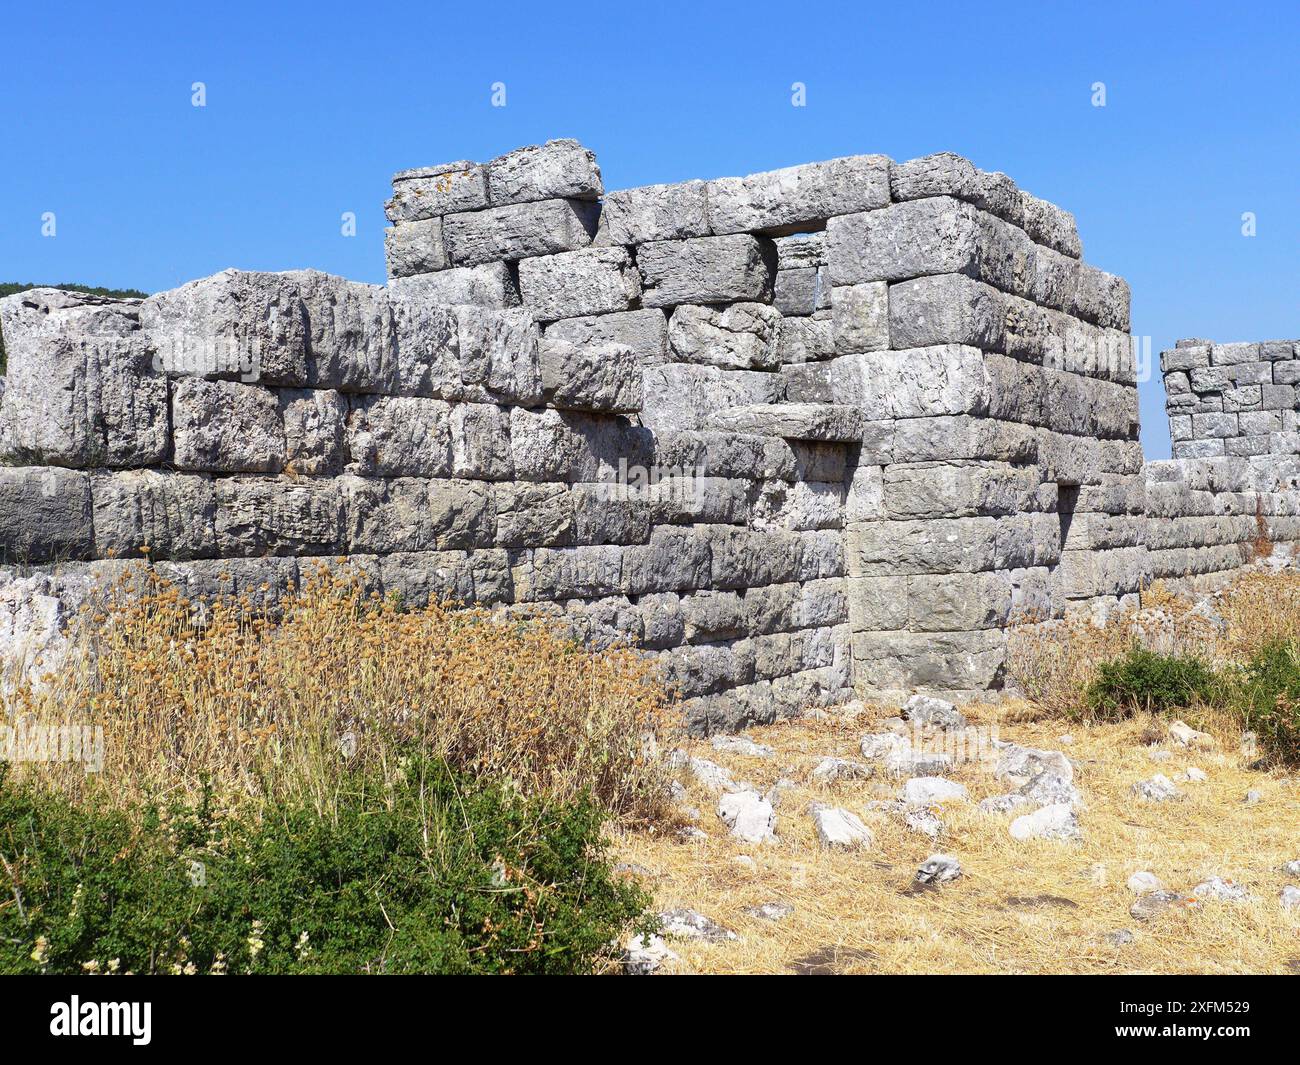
938	235
352	338
905	661
860	318
480	442
258	516
684	397
610	513
795	421
558	169
576	283
519	231
706	270
798	197
314	425
555	445
430	191
46	514
81	389
802	292
154	515
605	378
741	336
645	332
226	427
913	383
806	339
655	212
533	515
498	355
416	578
675	560
399	436
415	514
489	285
415	248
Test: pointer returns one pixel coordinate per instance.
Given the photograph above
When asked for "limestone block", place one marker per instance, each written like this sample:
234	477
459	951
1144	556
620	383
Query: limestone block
820	553
480	442
1233	354
352	339
605	377
942	661
704	669
795	421
415	248
518	231
806	340
645	332
609	513
314	420
586	572
711	615
728	455
801	251
1051	226
417	578
860	317
80	390
558	169
498	355
740	336
399	436
261	581
798	197
913	383
415	514
937	235
249	325
807	383
940	174
575	283
685	497
945	309
958	489
706	270
533	515
662	624
1185	358
675	560
683	397
655	212
776	608
744	558
155	515
430	191
489	285
257	516
226	427
45	514
555	445
1211	426
952	545
803	291
798	506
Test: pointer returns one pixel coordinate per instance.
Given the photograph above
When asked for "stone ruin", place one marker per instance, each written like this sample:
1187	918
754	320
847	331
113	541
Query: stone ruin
823	430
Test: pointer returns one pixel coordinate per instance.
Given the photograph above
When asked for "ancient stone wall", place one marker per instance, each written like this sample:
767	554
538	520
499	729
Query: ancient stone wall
826	427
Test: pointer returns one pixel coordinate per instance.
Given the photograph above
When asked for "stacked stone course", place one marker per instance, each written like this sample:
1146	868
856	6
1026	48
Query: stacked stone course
823	428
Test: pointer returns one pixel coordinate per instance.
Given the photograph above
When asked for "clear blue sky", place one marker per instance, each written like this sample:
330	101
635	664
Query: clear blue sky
310	107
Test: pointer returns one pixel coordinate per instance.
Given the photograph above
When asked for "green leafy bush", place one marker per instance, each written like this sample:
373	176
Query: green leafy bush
429	873
1144	680
1266	696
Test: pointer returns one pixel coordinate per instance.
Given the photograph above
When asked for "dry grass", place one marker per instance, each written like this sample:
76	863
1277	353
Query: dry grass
1054	662
857	906
192	697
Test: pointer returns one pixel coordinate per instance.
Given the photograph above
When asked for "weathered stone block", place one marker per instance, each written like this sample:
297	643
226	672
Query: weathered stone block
940	174
226	427
608	513
415	248
399	436
257	516
683	397
795	421
80	390
798	197
480	442
706	270
519	231
938	235
533	515
429	191
558	169
45	514
571	284
603	377
802	292
645	332
352	337
498	355
155	515
489	285
314	421
655	212
740	336
860	318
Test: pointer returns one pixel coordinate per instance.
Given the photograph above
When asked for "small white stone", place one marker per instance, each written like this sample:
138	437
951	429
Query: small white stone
932	791
749	816
1218	888
1158	789
691	924
1290	897
770	911
829	770
1185	736
1253	797
927	710
1142	883
742	745
1195	775
839	828
645	955
1056	822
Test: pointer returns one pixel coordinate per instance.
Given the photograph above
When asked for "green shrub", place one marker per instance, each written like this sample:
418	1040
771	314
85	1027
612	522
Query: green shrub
1144	680
1266	696
428	874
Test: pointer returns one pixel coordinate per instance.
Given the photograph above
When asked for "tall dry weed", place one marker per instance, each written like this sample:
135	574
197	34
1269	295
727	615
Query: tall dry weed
212	696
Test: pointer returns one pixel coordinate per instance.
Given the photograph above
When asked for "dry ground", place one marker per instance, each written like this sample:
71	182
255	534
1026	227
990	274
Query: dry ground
1036	907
